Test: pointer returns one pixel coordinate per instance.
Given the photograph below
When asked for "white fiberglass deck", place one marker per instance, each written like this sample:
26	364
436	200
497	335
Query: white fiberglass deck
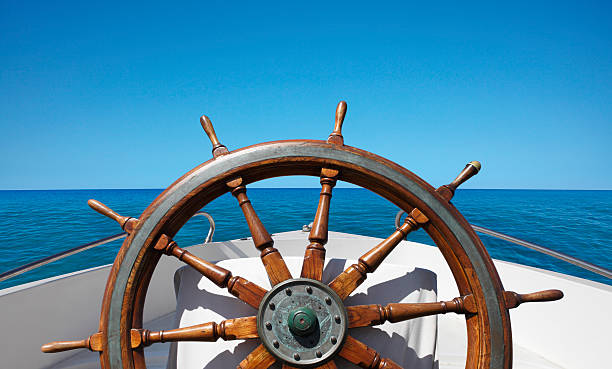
571	333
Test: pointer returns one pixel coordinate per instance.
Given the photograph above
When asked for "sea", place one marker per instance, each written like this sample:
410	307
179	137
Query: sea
36	224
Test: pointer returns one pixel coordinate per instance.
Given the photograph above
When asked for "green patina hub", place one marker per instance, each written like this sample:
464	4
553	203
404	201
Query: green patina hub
302	321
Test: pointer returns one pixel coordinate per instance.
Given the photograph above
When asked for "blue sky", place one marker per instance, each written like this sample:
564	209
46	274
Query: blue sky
109	95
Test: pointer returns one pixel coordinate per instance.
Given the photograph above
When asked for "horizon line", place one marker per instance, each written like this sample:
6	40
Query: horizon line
304	188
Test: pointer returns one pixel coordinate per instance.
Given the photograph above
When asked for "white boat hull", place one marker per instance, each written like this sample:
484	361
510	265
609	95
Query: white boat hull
572	333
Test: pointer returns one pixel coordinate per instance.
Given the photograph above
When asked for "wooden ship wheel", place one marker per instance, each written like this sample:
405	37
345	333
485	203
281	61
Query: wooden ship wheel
483	301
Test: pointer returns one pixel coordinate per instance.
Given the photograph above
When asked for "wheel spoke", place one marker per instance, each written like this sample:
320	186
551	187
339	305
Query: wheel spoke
92	343
128	224
273	261
335	138
246	291
369	315
327	365
514	299
314	257
347	281
448	191
231	329
218	149
358	353
259	358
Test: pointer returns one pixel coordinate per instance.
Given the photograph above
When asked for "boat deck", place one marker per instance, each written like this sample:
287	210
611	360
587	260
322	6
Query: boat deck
570	333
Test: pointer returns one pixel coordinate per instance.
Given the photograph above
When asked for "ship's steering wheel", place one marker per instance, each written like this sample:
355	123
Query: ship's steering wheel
482	299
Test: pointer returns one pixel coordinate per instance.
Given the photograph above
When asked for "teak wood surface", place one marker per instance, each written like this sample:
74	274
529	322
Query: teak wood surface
314	257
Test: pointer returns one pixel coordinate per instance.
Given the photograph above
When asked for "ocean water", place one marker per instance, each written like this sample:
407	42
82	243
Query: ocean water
35	224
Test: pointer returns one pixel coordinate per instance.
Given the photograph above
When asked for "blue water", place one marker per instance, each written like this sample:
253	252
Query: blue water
35	224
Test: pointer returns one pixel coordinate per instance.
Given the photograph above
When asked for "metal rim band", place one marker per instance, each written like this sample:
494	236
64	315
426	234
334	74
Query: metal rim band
288	149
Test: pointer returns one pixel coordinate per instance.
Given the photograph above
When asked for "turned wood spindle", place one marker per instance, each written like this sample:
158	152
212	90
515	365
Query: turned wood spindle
365	357
471	169
218	148
273	261
373	258
246	291
231	329
347	281
336	136
369	315
127	223
92	343
514	299
314	257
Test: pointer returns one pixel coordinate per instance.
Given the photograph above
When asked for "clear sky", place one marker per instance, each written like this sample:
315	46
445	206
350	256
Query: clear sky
108	95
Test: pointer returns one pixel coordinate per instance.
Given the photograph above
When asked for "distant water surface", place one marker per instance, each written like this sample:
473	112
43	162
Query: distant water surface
35	224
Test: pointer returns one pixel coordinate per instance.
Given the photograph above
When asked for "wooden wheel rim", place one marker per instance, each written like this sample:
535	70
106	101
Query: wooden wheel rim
489	337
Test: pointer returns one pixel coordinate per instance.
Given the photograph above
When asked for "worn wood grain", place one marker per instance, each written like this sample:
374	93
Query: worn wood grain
448	191
218	149
246	291
231	329
328	365
259	358
314	257
218	275
127	223
365	357
92	343
336	136
514	299
273	261
369	315
347	281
